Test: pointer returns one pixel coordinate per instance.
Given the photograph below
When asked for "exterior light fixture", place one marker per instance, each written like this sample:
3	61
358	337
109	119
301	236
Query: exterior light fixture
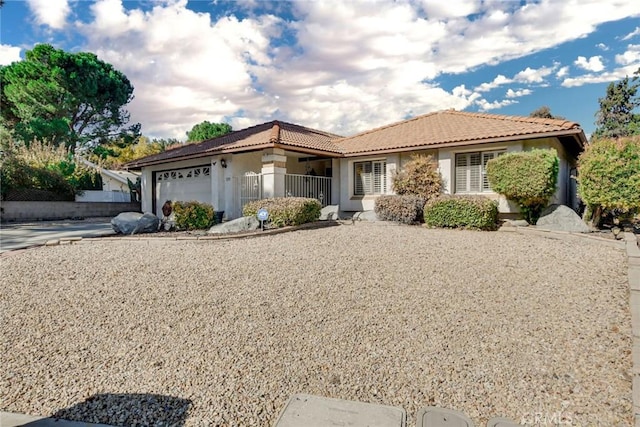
223	163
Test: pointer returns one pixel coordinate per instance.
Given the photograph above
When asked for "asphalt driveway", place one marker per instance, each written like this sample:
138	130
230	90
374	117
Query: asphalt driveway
27	234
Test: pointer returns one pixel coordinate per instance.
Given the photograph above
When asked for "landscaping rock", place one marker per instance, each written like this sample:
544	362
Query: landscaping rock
330	212
561	218
515	223
135	223
246	223
366	216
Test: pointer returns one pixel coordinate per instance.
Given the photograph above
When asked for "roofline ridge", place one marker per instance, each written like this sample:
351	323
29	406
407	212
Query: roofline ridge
517	118
395	124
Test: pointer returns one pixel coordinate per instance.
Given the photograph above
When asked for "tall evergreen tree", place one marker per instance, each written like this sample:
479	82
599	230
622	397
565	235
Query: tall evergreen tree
616	117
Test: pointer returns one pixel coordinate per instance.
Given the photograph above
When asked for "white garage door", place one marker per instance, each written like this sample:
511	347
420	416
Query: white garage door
184	185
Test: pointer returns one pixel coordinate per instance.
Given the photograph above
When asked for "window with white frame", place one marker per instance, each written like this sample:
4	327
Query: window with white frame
470	173
370	177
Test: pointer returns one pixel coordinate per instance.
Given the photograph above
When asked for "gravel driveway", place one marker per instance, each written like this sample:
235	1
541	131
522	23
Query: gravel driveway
492	324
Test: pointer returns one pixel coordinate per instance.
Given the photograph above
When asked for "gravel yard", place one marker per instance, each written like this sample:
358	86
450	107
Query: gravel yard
223	332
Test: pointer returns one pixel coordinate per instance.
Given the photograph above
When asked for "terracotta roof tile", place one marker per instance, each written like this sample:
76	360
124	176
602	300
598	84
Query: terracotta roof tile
449	127
262	135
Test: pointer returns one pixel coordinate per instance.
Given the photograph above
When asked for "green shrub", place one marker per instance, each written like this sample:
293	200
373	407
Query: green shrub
419	177
193	215
400	208
528	178
462	211
16	174
284	211
609	176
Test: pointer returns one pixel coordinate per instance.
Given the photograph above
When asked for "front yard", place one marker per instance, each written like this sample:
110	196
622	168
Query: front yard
492	324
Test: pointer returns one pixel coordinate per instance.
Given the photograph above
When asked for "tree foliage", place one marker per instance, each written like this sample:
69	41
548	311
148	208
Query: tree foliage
544	112
528	178
207	130
419	177
116	153
609	176
71	99
616	117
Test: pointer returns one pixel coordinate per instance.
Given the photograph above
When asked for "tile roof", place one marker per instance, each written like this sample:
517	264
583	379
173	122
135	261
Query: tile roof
265	135
442	128
452	127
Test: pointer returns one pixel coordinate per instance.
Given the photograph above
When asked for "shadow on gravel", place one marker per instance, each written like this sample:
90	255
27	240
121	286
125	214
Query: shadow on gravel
128	410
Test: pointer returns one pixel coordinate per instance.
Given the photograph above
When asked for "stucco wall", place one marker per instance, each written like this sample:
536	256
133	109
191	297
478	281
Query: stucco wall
28	211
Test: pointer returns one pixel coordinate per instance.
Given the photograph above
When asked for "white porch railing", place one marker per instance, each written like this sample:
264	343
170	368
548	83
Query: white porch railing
317	187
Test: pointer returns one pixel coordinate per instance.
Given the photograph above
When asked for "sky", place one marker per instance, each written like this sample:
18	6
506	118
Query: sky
340	66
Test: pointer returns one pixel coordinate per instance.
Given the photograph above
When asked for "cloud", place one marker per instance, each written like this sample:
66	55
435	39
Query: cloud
602	46
52	13
630	56
498	81
9	54
200	70
592	64
606	77
562	72
518	93
338	66
485	105
632	34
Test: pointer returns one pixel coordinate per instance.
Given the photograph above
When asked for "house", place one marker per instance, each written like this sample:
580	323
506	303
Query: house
115	185
283	159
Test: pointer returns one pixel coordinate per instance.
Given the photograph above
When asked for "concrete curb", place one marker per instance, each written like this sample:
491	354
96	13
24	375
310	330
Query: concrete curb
565	235
633	258
13	419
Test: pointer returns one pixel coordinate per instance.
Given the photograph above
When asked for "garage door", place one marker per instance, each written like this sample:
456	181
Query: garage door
183	184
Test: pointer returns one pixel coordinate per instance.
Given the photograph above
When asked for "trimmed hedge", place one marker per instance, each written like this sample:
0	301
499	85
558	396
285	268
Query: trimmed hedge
419	177
193	215
405	209
462	212
285	211
609	176
528	178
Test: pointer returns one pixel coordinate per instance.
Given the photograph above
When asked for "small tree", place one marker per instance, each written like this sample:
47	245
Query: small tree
544	112
528	178
609	177
419	177
616	117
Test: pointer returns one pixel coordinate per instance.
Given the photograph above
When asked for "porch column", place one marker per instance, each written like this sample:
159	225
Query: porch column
274	167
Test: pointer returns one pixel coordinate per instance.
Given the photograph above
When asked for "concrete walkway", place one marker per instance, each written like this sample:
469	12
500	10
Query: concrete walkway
24	235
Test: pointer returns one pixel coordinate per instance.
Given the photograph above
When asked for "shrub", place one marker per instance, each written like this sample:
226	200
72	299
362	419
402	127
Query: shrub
193	215
609	176
419	177
284	211
528	178
462	211
400	208
16	174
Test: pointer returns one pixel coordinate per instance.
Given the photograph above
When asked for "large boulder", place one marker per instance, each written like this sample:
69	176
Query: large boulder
330	212
246	223
135	223
561	218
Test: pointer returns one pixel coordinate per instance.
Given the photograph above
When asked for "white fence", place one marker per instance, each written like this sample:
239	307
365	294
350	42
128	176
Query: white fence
104	196
316	187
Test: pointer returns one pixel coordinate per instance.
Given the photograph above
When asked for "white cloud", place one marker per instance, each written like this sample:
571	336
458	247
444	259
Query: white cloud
562	72
485	105
518	93
632	34
609	76
498	81
50	12
592	64
354	65
602	46
9	54
533	75
630	56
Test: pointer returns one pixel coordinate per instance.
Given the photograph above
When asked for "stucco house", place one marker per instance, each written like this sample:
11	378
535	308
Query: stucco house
115	185
283	159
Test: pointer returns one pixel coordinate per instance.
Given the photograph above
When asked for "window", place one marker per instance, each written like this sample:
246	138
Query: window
470	171
370	177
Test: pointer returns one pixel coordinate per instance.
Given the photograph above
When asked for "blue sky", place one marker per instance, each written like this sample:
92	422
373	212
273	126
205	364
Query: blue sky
340	66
